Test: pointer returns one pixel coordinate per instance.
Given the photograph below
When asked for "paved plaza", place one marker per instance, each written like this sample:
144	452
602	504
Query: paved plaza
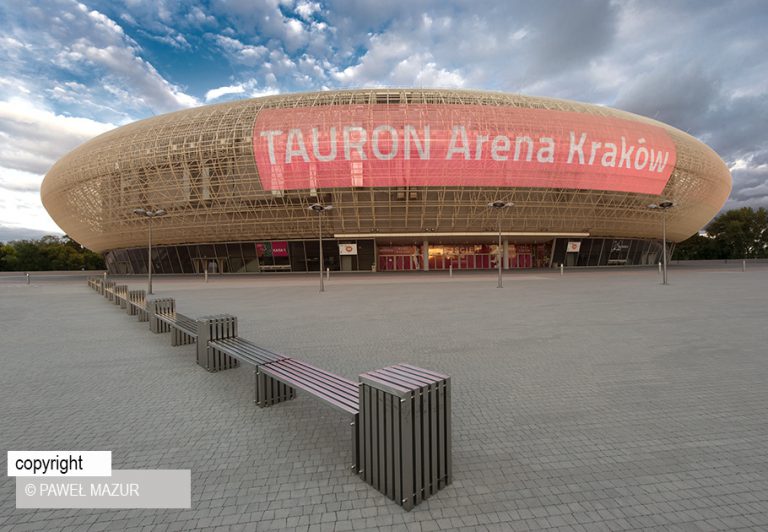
599	400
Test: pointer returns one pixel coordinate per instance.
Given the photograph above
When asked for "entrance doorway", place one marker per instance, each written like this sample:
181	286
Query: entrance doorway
212	265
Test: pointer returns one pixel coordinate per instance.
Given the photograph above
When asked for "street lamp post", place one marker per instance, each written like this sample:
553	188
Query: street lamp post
664	206
498	206
320	209
149	214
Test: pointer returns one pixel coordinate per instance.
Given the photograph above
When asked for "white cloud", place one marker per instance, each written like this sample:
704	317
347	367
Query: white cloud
148	87
241	53
251	87
20	204
391	60
306	9
200	17
213	94
90	45
269	91
33	138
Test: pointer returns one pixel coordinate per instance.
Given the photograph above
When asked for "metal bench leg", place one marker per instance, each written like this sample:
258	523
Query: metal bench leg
180	337
203	337
271	391
355	425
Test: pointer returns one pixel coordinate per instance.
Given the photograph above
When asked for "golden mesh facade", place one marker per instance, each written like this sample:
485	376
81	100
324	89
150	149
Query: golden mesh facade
199	166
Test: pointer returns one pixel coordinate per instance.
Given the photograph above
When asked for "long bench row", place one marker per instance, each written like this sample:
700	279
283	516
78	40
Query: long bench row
400	415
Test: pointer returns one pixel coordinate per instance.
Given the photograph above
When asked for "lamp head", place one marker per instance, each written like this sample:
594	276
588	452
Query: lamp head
663	204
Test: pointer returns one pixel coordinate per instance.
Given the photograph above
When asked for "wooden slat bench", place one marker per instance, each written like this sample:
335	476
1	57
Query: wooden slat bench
275	268
121	295
137	304
164	318
109	290
94	283
400	415
277	381
183	328
221	348
244	350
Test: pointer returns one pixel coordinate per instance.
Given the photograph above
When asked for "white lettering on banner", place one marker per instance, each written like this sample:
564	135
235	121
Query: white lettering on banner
456	132
576	148
384	144
271	142
422	146
377	131
357	143
316	146
296	137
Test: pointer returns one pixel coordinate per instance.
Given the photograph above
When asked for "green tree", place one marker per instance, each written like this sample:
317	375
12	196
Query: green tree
698	247
742	233
7	257
48	253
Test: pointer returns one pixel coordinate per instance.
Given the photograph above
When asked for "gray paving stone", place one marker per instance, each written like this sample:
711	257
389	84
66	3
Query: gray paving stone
599	399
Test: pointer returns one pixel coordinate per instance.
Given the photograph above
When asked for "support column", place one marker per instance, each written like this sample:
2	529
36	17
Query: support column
425	255
505	245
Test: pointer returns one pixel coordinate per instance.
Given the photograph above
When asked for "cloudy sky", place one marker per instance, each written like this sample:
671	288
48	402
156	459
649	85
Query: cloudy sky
70	70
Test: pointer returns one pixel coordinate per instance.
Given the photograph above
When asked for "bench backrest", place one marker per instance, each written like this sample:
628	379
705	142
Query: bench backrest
213	328
109	287
163	305
136	296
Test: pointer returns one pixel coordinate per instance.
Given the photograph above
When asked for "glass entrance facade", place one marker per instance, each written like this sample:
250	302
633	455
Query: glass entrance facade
304	256
242	257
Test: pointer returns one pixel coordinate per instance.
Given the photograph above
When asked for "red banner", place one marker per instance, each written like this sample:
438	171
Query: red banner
458	145
280	249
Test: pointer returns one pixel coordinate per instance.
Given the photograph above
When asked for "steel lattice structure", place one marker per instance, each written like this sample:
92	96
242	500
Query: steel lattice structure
199	166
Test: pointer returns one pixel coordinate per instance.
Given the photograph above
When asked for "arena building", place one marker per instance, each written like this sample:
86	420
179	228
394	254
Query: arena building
409	174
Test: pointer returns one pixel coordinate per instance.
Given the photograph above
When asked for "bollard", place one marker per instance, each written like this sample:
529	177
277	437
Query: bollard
105	276
561	268
743	266
659	267
450	270
206	276
27	278
327	273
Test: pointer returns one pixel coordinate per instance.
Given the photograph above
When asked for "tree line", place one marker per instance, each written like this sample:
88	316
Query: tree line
735	234
46	254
